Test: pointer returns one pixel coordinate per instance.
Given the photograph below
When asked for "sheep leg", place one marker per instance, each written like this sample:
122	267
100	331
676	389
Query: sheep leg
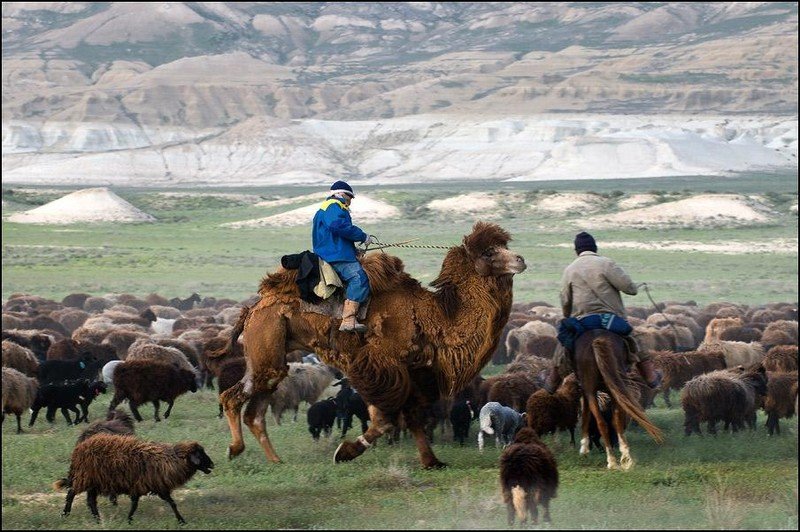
220	411
85	413
294	419
167	497
572	436
78	415
19	423
68	505
156	406
255	419
91	501
34	413
381	423
510	512
170	403
134	505
66	415
135	411
533	509
546	505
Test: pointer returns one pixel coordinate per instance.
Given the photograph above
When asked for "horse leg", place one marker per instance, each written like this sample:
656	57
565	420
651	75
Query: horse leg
380	423
603	428
255	419
619	422
585	422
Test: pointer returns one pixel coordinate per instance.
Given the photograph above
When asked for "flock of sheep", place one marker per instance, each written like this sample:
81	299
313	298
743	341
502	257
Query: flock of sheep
726	360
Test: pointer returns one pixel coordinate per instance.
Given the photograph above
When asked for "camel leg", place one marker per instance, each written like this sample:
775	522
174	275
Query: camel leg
380	423
585	422
603	428
255	419
415	420
619	421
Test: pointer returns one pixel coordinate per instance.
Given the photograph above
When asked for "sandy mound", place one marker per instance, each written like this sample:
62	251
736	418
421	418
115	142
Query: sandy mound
472	203
84	206
363	209
705	209
296	199
636	200
569	203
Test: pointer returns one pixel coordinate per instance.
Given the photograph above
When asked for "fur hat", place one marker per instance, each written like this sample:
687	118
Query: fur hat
341	186
584	242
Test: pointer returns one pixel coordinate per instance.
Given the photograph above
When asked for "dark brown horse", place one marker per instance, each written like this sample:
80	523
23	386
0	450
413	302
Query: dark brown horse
599	364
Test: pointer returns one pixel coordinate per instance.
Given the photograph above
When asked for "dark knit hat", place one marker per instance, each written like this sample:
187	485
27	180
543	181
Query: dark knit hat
341	186
584	242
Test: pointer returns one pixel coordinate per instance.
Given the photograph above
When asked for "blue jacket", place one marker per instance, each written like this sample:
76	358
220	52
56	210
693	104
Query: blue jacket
334	234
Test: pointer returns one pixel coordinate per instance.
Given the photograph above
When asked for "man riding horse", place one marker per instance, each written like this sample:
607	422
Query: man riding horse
590	298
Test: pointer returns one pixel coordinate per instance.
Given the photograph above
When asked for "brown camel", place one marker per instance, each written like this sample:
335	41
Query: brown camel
420	345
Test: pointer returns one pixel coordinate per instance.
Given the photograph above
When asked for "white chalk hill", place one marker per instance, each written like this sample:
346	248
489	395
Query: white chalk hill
90	205
363	209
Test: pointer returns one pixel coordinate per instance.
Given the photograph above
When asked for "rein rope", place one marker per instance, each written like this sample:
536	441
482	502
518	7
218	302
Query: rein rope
655	305
404	244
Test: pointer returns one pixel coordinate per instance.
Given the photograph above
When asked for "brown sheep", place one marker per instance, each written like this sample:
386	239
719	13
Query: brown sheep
729	395
559	411
667	320
93	304
782	332
116	422
780	399
716	327
19	393
121	340
736	353
71	318
143	381
108	464
20	358
512	389
36	341
69	349
741	334
782	358
679	368
75	300
530	364
145	349
528	476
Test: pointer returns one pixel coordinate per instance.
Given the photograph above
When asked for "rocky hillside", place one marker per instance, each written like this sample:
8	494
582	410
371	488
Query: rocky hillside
146	80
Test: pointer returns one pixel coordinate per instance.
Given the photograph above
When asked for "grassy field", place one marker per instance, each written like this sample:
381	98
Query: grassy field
747	480
188	251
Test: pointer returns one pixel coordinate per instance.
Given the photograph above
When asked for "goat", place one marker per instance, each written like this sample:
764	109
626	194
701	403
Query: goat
108	464
502	421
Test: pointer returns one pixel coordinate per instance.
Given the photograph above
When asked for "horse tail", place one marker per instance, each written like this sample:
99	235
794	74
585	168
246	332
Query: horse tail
607	364
519	497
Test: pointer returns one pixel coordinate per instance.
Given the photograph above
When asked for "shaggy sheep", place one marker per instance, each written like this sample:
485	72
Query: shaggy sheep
20	358
528	476
736	353
781	358
502	421
321	417
529	364
71	319
512	389
717	326
548	413
143	381
304	382
19	393
186	348
679	368
781	332
780	400
116	422
108	464
668	320
69	349
122	340
93	304
37	342
741	334
75	300
725	395
535	338
145	349
461	416
185	304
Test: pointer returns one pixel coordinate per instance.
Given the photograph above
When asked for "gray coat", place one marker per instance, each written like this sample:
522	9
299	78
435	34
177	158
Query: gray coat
592	285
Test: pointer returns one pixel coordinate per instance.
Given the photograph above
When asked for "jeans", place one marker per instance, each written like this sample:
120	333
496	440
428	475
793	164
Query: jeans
355	278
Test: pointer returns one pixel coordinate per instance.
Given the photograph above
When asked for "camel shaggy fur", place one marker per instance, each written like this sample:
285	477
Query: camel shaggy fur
420	344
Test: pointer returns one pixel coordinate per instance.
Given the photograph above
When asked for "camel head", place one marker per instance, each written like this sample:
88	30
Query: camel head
487	247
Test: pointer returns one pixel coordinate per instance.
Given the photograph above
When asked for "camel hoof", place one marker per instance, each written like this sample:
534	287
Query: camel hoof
347	451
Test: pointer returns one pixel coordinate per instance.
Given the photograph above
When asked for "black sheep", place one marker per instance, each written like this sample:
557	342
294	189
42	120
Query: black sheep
348	404
321	416
461	416
65	370
66	396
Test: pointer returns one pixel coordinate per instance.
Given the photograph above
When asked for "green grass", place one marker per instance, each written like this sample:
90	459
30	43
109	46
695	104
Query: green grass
746	480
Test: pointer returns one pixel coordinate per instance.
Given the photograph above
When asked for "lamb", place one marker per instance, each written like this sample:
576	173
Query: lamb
502	421
20	358
304	382
116	422
348	404
512	389
142	381
736	353
781	358
461	416
108	464
19	393
528	476
66	396
559	411
780	400
679	368
781	332
321	417
725	395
